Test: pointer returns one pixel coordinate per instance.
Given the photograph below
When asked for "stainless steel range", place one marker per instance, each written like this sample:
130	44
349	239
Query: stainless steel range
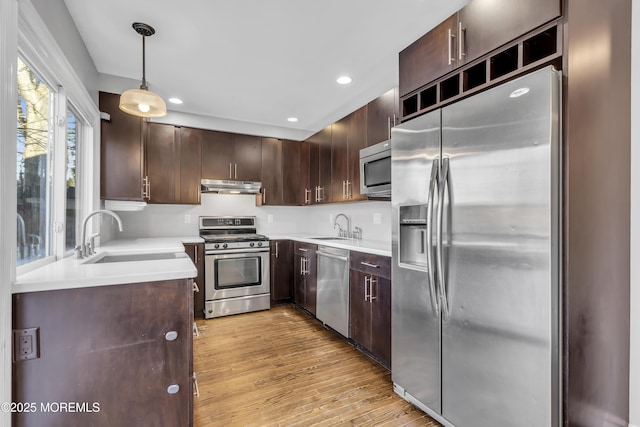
236	266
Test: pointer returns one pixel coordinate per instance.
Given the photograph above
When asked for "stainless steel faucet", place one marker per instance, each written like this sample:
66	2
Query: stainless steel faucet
86	248
341	232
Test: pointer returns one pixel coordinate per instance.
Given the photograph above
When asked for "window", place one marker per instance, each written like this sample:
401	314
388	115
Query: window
34	166
71	207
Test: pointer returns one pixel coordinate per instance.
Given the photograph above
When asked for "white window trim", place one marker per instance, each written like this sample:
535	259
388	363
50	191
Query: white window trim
37	45
8	203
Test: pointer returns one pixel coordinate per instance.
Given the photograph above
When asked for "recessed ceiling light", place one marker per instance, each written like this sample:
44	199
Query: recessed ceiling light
175	100
344	80
292	119
519	92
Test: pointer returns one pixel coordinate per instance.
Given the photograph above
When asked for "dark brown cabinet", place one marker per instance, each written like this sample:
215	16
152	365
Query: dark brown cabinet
382	115
272	171
305	276
170	155
231	156
370	304
349	135
281	270
320	166
196	253
121	152
475	30
294	173
128	348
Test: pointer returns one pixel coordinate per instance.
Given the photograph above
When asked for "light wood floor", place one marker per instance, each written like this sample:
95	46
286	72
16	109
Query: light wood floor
282	368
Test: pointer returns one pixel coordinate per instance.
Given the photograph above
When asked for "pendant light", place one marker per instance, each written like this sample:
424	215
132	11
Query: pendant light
142	102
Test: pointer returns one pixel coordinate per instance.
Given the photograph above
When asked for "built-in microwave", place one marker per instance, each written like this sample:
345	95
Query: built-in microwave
375	170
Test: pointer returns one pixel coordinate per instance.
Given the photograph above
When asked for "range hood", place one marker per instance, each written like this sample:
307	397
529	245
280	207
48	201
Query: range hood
223	186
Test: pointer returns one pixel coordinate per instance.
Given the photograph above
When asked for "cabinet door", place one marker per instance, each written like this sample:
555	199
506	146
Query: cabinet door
381	114
292	174
324	164
281	269
306	189
247	158
339	159
314	168
121	152
311	281
298	280
162	168
359	310
271	172
196	253
217	155
429	57
381	319
357	137
488	24
190	147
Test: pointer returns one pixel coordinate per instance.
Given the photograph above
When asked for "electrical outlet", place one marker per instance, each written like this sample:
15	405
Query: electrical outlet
269	218
377	218
26	344
330	218
187	218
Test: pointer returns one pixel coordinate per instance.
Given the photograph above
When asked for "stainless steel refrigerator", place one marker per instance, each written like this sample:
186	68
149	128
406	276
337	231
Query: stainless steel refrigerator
476	257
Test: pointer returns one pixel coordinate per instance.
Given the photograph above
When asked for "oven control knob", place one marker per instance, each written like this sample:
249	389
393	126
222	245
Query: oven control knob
252	244
224	246
259	244
217	245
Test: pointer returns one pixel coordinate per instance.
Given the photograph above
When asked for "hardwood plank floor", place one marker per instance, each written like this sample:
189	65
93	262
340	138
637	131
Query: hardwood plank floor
282	368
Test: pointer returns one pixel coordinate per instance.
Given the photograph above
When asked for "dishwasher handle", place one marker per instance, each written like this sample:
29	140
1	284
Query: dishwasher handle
342	258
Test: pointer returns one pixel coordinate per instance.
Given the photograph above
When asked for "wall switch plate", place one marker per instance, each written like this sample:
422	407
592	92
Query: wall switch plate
330	218
269	218
377	218
187	218
26	344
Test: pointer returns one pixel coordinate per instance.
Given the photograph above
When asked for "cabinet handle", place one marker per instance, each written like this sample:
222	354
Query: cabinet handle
321	191
144	187
462	32
344	189
230	176
366	285
235	171
369	265
389	127
450	37
349	195
195	287
148	189
264	196
307	200
303	250
372	282
196	257
196	389
277	250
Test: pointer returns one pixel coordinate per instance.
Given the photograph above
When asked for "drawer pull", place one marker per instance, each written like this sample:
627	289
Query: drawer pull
173	389
195	287
368	265
171	336
196	389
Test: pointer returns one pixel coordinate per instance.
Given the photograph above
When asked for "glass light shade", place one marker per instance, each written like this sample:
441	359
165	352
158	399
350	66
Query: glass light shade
136	101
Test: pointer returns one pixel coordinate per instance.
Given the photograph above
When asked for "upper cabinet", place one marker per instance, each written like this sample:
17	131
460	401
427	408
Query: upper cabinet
271	172
320	166
171	153
349	136
121	152
295	178
231	156
382	114
475	30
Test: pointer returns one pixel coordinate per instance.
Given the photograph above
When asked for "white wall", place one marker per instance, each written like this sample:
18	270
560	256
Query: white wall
169	220
634	375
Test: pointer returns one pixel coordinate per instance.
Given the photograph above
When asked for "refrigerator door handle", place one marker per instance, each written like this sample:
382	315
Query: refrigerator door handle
444	182
429	248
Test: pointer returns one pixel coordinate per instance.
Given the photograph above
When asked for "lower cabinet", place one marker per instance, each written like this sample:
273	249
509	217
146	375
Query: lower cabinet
196	253
121	354
370	304
305	276
281	270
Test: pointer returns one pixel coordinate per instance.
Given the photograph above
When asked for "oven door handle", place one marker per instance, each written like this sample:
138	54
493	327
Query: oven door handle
236	251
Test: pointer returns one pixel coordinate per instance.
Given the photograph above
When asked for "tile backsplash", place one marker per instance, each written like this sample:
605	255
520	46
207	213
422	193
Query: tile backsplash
374	217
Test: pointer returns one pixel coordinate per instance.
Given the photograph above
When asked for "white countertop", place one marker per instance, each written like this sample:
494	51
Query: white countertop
367	246
72	273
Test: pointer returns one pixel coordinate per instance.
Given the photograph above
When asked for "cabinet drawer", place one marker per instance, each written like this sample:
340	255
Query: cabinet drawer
302	248
372	264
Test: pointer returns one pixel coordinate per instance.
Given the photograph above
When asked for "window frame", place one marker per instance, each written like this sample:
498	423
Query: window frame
37	47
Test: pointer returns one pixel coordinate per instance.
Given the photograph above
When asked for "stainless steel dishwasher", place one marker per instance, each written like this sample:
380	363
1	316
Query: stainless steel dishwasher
332	299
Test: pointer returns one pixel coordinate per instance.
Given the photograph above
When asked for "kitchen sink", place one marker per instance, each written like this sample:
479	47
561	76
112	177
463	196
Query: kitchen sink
135	257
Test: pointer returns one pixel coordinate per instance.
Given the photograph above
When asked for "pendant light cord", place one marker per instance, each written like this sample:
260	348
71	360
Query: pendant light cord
143	86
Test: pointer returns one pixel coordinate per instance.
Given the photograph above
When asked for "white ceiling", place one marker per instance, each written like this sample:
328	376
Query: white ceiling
259	61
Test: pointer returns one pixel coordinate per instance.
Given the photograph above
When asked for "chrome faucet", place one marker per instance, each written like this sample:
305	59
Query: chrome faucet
86	248
341	232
